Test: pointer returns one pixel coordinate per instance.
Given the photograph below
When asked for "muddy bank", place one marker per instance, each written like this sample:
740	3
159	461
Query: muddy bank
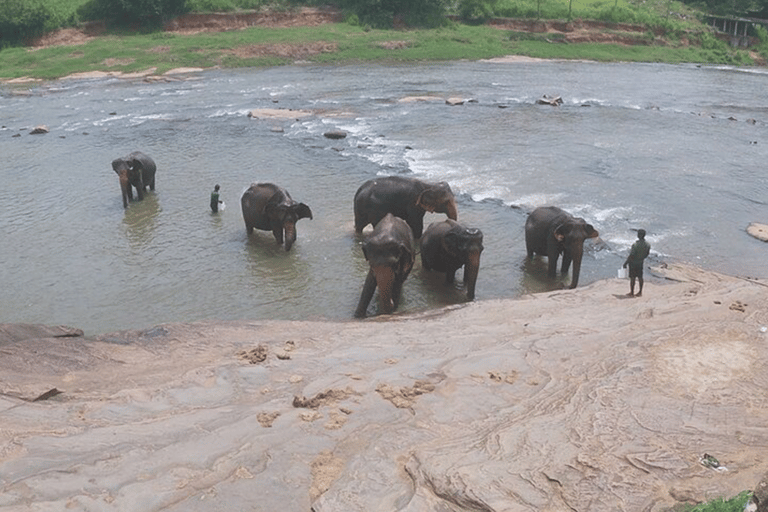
571	400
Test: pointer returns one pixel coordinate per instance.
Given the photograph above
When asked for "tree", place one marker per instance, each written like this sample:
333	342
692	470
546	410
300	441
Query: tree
21	20
388	13
134	12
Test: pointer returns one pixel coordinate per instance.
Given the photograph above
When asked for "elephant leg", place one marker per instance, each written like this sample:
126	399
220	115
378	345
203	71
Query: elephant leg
417	226
365	298
450	276
552	265
566	263
278	233
397	289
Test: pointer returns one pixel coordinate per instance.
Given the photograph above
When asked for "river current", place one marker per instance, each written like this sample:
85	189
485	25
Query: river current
678	150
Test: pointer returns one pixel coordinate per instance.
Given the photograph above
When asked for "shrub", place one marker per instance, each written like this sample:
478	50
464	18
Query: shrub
389	13
476	11
145	13
21	20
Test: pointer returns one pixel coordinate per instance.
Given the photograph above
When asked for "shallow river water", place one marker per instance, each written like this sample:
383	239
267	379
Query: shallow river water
678	150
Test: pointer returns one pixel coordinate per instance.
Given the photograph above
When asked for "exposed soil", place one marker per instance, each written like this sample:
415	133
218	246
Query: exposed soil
578	31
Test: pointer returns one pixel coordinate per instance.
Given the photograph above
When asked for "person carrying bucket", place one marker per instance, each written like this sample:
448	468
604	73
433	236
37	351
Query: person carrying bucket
640	250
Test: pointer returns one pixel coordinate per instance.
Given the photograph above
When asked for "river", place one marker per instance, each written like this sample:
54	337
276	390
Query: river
679	150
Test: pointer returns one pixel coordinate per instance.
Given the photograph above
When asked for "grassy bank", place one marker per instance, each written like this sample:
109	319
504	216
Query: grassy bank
330	43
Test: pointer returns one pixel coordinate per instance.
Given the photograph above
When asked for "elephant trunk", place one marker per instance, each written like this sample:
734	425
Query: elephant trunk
290	235
451	210
385	280
471	269
125	188
576	260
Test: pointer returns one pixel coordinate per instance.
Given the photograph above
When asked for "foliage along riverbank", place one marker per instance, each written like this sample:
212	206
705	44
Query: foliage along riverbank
93	49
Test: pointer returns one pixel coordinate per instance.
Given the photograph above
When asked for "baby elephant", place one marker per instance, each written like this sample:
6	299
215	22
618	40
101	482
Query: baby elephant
390	253
269	207
136	170
447	246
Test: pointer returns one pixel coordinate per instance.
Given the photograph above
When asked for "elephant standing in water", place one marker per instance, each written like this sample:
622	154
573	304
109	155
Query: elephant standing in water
135	170
407	198
447	246
390	253
550	232
269	207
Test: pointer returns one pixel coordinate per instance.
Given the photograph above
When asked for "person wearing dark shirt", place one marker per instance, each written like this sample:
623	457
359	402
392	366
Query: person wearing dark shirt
640	250
215	199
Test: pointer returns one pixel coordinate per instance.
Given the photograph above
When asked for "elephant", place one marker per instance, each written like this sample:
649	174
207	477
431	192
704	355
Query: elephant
135	170
390	253
407	198
550	232
447	246
269	207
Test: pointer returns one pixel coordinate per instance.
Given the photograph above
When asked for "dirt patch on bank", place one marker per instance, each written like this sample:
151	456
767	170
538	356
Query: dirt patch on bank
582	31
216	22
286	50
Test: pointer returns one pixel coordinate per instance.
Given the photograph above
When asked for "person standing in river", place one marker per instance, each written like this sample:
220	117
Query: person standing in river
640	250
215	199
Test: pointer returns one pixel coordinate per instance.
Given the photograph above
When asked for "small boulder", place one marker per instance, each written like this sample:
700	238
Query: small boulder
759	500
38	130
454	101
546	100
759	231
335	134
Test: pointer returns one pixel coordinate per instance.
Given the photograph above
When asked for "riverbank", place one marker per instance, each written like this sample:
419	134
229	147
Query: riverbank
319	36
576	399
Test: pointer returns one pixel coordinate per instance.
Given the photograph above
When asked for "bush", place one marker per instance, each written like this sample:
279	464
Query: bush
389	13
476	11
21	20
145	13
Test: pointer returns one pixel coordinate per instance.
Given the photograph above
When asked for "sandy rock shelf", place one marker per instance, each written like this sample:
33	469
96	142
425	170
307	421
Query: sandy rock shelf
571	400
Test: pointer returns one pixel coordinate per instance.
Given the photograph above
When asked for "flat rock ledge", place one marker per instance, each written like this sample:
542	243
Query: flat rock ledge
759	231
278	113
580	400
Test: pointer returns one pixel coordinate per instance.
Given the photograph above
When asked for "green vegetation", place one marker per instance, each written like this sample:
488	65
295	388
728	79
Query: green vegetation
130	53
735	504
141	45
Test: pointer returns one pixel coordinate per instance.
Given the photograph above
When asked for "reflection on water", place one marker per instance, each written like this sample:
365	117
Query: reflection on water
140	220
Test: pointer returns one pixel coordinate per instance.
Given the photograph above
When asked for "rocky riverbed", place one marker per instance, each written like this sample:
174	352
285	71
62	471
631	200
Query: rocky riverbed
581	400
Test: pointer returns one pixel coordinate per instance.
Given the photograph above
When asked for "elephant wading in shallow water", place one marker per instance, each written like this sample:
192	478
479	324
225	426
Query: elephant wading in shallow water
550	232
407	198
390	253
269	207
135	170
447	246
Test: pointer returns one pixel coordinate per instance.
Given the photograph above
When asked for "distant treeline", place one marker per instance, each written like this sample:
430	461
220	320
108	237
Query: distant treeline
23	20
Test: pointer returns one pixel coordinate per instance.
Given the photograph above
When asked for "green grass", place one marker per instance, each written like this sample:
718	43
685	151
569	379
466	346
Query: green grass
735	504
129	53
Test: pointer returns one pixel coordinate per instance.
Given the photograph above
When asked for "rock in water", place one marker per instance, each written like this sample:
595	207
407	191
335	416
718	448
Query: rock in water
759	231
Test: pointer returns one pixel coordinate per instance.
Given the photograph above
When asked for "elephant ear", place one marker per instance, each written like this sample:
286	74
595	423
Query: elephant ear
561	232
433	195
451	242
273	210
303	211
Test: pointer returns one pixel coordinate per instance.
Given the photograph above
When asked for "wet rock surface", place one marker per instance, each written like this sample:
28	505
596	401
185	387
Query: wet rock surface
569	400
